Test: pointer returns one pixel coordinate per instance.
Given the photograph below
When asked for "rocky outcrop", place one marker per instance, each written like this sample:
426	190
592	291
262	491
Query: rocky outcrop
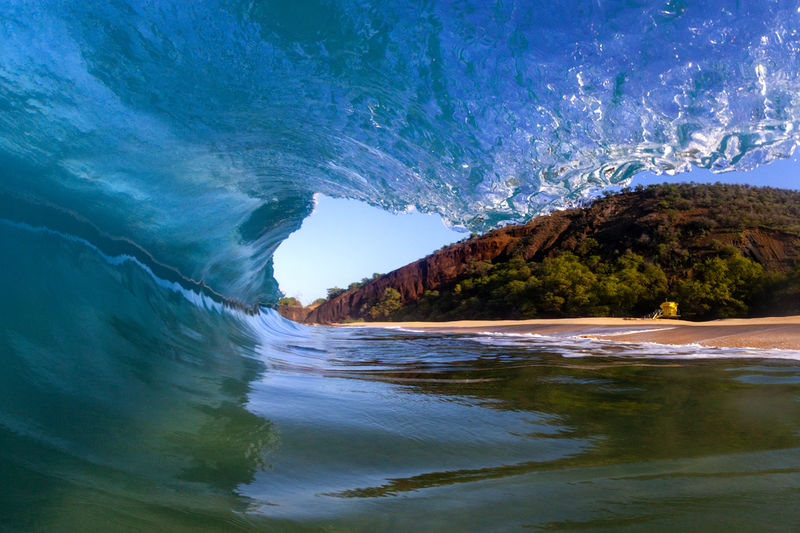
633	221
442	267
296	313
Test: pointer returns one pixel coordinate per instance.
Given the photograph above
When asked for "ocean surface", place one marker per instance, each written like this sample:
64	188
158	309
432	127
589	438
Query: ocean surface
153	154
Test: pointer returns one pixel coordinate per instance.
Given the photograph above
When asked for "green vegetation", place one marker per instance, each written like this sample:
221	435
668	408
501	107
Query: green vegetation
358	284
559	286
289	302
625	254
333	292
388	304
727	285
567	285
730	206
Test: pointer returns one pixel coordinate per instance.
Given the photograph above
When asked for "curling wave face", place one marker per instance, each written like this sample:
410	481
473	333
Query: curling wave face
200	131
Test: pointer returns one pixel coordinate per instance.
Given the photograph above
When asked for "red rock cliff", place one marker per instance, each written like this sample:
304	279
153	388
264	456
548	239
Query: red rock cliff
630	221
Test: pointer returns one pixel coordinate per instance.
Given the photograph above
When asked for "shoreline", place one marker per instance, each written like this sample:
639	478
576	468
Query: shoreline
782	333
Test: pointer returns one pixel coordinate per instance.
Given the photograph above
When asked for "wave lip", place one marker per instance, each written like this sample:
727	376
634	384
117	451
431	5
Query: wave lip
465	110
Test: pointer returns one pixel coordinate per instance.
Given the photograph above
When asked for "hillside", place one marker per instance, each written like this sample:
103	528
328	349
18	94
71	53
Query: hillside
720	250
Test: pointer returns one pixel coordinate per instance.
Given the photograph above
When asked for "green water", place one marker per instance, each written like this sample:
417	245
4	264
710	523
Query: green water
512	439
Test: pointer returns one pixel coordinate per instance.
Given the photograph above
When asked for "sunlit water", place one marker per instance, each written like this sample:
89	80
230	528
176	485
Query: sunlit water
153	155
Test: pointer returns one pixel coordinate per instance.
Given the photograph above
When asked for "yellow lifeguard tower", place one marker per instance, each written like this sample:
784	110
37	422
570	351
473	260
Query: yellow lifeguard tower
668	310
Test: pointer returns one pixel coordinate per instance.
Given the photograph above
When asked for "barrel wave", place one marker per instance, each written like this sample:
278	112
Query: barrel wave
154	154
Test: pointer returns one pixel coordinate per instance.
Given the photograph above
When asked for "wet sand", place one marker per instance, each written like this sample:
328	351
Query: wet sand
770	333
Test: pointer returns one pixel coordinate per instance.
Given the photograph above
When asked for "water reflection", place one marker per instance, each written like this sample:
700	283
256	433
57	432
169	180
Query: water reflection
396	415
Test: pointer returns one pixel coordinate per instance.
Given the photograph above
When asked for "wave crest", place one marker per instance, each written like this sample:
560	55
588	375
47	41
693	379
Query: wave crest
201	131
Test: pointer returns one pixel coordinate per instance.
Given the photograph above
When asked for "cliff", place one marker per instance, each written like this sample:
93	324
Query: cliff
296	313
673	226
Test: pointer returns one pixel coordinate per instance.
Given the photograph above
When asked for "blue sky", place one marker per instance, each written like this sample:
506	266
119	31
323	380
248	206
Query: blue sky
784	174
345	240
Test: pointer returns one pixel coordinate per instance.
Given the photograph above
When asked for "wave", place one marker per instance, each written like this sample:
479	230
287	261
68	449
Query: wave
153	155
121	393
201	132
582	346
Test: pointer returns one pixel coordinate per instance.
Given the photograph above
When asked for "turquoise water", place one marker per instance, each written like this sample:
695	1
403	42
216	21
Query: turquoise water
154	154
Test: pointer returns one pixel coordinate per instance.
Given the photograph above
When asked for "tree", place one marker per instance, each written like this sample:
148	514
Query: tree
289	302
631	287
388	303
565	285
626	256
721	287
333	292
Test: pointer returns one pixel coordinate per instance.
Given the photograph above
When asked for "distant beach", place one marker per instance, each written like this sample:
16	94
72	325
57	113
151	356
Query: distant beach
768	333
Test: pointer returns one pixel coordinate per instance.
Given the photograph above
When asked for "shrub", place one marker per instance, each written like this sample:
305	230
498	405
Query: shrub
388	303
289	302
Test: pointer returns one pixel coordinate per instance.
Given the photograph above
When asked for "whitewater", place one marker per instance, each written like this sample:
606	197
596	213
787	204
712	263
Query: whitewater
154	154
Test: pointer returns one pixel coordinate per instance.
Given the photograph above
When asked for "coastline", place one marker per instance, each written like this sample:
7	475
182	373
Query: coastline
781	333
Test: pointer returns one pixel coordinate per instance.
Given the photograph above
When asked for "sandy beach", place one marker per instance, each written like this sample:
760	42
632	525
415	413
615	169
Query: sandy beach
770	332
